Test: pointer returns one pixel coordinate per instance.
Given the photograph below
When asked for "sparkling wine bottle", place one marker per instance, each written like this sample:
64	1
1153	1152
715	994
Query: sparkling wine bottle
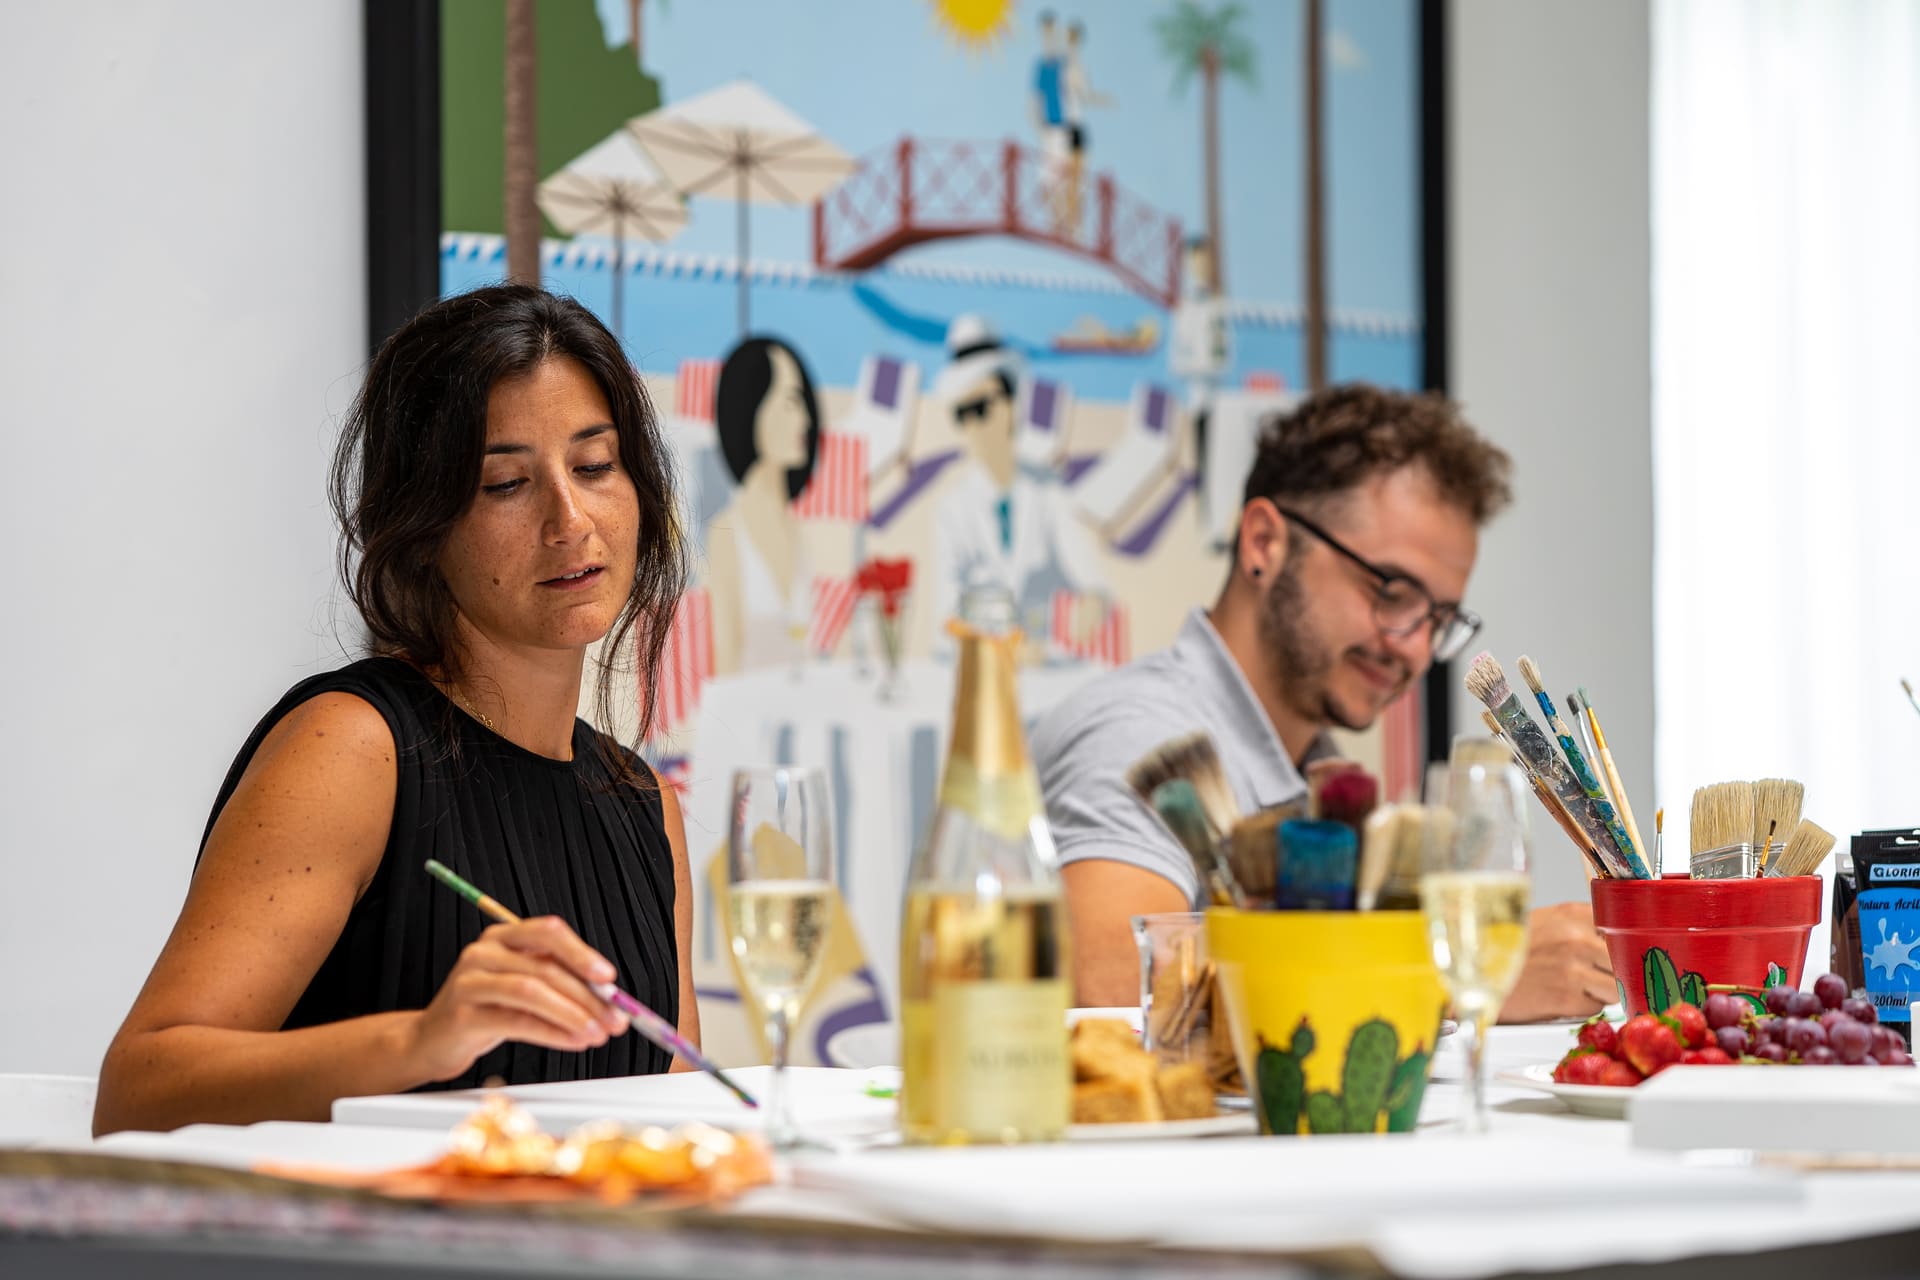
983	965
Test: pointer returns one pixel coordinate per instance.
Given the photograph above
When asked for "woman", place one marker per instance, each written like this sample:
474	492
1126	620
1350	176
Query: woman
757	566
504	504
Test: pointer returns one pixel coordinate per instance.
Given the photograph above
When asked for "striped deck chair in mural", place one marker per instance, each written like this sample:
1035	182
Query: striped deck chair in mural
1138	463
1106	646
694	390
884	403
686	664
838	489
1046	412
1233	436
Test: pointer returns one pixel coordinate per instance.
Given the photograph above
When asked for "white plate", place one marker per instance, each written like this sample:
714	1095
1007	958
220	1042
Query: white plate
1230	1124
1609	1102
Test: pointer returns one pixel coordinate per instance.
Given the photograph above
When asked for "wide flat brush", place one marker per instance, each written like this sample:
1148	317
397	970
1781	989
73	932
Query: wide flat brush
1806	849
1178	805
1776	807
1487	682
1721	817
1551	802
1577	760
1194	758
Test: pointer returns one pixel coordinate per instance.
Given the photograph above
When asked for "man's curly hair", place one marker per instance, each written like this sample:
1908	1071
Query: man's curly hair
1344	436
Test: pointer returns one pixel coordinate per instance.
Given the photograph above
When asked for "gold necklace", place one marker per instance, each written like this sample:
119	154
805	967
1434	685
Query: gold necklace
476	712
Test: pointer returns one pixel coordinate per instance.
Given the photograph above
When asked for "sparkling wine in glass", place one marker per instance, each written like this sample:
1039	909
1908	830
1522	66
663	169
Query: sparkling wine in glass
1474	893
780	905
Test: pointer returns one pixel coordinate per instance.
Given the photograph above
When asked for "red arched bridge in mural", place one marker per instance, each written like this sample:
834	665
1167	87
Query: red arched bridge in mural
919	190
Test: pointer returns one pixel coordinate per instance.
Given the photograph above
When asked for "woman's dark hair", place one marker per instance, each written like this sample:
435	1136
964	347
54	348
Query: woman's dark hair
744	380
409	461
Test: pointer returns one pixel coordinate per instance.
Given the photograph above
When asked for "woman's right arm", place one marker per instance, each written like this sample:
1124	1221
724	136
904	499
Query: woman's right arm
294	848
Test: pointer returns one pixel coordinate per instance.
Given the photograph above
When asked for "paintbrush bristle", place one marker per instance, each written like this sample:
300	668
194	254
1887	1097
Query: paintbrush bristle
1178	805
1659	822
1530	672
1194	759
1806	849
1486	681
1776	805
1493	725
1722	816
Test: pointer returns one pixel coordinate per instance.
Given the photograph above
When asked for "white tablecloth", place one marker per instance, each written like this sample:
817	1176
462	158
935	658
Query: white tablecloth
1545	1191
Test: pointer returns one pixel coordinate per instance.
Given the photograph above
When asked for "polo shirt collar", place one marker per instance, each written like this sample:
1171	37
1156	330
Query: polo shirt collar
1245	734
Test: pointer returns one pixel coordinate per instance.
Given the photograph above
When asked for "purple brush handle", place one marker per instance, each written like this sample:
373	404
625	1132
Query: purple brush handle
661	1032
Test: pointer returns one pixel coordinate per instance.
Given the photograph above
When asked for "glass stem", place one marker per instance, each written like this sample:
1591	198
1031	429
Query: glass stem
1475	1120
780	1130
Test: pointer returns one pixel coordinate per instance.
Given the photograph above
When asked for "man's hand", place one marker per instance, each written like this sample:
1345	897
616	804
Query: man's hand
1567	974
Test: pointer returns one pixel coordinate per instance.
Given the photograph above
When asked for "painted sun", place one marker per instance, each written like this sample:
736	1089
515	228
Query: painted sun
974	25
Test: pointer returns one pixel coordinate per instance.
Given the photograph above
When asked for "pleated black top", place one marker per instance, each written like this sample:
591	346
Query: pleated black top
544	837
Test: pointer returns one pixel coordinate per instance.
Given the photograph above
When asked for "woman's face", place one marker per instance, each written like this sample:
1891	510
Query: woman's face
780	426
544	558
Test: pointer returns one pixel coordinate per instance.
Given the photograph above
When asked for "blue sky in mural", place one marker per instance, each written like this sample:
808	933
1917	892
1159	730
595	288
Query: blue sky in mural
865	72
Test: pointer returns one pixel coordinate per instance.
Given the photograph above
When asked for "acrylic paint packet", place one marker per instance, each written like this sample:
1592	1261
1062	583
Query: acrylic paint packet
1887	871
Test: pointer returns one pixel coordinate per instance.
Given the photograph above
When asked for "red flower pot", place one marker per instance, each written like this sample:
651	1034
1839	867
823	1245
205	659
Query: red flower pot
1671	938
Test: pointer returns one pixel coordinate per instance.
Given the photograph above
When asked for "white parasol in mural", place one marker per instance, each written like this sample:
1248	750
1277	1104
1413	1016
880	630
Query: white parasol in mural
612	189
736	143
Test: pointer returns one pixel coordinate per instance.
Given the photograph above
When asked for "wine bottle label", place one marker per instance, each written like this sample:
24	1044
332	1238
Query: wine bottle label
1000	1051
1004	803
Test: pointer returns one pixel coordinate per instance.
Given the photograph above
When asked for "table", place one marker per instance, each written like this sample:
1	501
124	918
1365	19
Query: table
1501	1207
882	758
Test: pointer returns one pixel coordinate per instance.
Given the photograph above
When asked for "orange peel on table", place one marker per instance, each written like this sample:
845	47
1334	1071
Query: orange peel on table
500	1155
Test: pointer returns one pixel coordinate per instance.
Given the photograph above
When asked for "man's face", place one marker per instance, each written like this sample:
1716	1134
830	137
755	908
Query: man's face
1332	661
984	416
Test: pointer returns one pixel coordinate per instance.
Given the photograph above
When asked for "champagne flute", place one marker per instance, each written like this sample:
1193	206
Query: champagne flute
1474	892
780	906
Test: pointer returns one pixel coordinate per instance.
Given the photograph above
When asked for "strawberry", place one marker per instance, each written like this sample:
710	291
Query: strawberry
1581	1066
1651	1044
1711	1056
1619	1074
1692	1025
1599	1035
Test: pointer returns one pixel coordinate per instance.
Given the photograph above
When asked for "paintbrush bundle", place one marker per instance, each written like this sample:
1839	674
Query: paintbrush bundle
1568	783
1250	851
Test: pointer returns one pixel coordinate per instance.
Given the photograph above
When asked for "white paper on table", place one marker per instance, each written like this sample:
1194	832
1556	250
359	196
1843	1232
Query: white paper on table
354	1148
827	1103
1269	1192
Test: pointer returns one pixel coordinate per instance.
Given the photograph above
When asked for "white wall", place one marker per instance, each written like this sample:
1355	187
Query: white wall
182	317
1550	318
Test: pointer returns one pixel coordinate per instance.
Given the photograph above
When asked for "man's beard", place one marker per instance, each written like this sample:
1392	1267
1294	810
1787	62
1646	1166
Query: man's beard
1300	662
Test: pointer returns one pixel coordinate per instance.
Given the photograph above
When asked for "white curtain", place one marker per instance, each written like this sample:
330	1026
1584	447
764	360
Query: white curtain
1786	415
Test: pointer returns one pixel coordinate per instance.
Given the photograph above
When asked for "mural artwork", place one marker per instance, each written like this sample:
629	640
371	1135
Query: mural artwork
929	293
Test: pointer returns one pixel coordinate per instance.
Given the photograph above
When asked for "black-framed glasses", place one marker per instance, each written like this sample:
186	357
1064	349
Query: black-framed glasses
976	409
1401	605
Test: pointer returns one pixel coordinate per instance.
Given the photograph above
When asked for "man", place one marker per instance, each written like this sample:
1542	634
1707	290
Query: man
998	521
1359	530
1078	96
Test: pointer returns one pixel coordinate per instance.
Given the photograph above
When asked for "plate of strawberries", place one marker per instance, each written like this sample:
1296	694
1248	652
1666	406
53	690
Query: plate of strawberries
1777	1026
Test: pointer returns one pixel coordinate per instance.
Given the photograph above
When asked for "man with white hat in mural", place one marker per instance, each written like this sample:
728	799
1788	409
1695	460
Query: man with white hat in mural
1001	522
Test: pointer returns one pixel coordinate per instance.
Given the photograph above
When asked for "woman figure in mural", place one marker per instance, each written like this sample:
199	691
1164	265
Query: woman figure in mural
1001	521
505	504
757	563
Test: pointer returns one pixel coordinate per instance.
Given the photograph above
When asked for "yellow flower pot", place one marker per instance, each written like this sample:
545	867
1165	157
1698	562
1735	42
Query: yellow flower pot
1334	1015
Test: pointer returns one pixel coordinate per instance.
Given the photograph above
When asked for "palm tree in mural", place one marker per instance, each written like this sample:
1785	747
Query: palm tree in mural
1316	308
634	41
521	147
1209	41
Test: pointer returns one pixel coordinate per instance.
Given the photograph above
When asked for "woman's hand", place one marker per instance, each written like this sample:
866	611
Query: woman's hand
527	982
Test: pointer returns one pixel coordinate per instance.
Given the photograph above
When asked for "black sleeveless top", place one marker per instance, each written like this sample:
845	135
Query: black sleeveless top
543	836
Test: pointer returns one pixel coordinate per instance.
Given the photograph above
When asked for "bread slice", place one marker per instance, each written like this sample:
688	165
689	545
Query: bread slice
1132	1100
1186	1092
1107	1049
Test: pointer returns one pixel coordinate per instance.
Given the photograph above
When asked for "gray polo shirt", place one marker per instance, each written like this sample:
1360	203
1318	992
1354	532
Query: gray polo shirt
1085	745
